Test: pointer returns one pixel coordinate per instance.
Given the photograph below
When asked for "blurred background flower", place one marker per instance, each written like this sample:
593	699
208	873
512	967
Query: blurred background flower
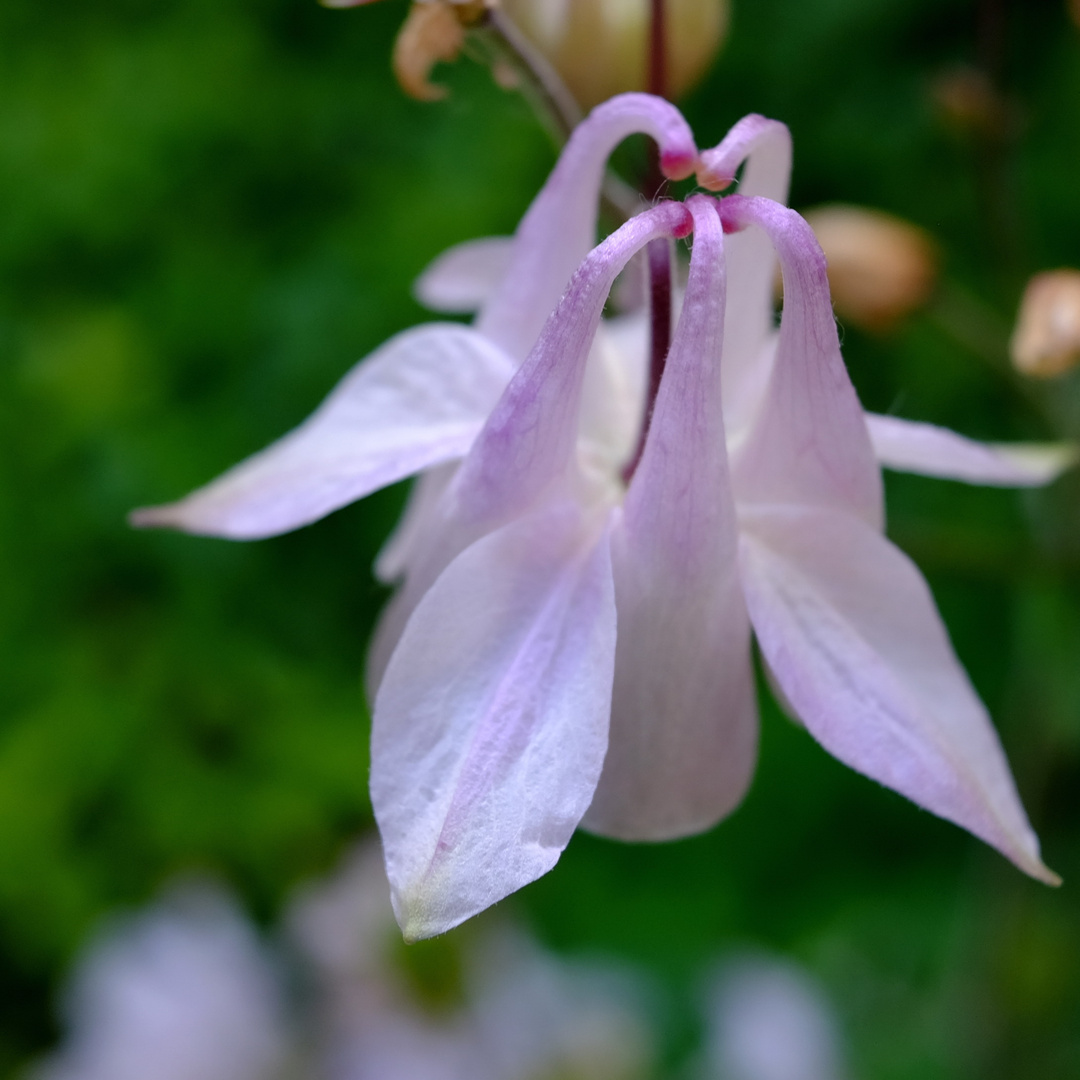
770	1019
1046	340
186	990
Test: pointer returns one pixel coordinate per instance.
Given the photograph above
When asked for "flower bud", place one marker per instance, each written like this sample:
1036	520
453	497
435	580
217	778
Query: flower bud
1046	341
600	47
880	267
1074	11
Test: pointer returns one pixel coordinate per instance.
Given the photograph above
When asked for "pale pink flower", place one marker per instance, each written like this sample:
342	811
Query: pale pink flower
571	648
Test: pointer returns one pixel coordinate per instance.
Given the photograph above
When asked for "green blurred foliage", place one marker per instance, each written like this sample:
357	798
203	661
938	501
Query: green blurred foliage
208	211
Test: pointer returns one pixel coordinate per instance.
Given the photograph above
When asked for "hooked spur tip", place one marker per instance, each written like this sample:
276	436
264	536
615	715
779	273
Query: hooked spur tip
677	164
712	180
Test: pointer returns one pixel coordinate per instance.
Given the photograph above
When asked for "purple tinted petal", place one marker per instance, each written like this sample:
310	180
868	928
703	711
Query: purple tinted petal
684	721
765	148
462	278
850	630
528	443
560	225
418	520
417	401
936	451
808	443
491	723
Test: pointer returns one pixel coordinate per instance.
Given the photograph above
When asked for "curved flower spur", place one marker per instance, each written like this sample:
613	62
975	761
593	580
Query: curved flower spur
569	647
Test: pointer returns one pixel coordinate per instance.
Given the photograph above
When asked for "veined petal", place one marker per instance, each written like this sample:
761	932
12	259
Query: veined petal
850	630
462	278
559	227
491	724
765	148
808	443
530	436
417	401
910	446
683	735
529	441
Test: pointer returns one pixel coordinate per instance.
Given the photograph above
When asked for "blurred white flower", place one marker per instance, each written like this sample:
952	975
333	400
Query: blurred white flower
183	991
523	1013
539	1015
769	1019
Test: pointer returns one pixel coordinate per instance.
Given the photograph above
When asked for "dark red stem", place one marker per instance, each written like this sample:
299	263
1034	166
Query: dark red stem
659	257
658	251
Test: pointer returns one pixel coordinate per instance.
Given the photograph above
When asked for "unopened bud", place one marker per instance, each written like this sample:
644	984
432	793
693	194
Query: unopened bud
880	267
1074	11
600	47
1046	341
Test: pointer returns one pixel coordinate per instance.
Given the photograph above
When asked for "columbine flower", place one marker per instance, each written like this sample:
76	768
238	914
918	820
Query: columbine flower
569	647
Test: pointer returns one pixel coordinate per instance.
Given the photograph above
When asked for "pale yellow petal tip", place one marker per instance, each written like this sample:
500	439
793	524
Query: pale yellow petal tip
1045	461
1045	875
153	517
1033	866
415	913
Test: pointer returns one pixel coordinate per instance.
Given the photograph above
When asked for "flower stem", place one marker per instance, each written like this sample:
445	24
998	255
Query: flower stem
658	251
539	82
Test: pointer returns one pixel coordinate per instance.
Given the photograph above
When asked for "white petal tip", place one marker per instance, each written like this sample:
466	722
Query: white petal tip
419	920
1026	857
1042	873
155	517
1044	463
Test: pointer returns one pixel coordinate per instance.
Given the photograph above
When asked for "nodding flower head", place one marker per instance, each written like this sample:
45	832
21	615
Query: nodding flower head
570	641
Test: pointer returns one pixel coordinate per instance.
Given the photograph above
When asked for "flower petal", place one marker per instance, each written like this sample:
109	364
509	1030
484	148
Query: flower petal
684	721
462	278
529	441
417	401
491	724
765	148
559	227
914	447
530	437
808	444
417	521
850	630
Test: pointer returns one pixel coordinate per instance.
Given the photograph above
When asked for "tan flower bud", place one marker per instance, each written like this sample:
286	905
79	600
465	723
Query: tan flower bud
880	267
600	47
1074	11
434	30
1046	341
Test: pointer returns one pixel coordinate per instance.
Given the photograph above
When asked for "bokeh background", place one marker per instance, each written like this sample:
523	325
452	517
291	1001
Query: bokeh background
209	209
